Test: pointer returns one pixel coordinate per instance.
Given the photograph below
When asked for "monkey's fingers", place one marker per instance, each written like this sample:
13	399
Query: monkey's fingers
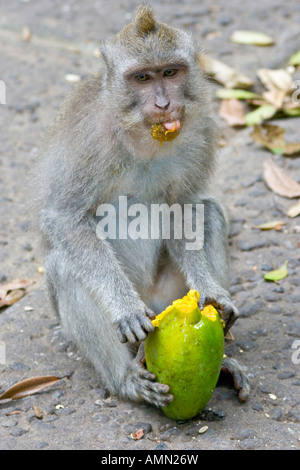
133	329
227	309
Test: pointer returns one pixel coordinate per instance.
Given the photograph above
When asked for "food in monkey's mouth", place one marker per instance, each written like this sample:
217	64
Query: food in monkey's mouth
185	351
166	131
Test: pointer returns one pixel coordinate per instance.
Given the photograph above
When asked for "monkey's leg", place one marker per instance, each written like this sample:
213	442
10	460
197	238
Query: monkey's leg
93	332
206	269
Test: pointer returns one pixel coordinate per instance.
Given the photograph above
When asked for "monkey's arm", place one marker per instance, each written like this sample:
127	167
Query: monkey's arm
93	262
206	269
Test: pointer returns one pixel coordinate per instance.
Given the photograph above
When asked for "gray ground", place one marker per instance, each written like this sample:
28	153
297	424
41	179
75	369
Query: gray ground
77	412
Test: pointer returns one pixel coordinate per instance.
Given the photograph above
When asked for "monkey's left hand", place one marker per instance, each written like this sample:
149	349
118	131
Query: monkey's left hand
219	298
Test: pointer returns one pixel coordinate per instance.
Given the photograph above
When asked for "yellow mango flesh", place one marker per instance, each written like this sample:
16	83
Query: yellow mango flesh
161	134
185	351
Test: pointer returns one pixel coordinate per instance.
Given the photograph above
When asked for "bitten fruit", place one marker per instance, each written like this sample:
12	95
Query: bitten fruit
185	351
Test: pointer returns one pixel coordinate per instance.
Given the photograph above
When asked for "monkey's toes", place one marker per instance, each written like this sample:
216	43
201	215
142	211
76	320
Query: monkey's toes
155	393
240	379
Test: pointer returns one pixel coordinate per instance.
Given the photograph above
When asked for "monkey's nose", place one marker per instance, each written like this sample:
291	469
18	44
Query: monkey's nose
162	104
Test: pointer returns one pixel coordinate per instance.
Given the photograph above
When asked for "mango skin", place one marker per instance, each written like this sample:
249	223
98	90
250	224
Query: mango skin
185	351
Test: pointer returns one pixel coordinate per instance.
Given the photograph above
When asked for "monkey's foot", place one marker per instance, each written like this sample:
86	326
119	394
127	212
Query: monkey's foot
240	380
141	385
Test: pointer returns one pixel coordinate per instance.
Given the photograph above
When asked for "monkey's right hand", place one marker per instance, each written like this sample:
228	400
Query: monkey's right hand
134	326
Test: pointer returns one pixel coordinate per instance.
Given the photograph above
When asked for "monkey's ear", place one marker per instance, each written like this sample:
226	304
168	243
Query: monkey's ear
145	20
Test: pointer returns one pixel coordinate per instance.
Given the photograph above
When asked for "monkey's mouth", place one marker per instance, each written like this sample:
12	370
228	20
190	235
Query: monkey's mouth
165	131
172	126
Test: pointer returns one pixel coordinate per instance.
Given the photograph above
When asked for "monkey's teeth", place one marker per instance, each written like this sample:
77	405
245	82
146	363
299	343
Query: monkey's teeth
172	126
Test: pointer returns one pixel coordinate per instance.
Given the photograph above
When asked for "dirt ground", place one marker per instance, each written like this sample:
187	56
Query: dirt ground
77	412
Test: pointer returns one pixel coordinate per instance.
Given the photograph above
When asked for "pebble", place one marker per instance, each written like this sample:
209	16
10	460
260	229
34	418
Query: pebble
276	414
132	428
17	432
249	245
212	415
249	444
294	416
257	407
246	344
257	333
161	446
246	433
192	430
287	374
9	422
167	435
251	309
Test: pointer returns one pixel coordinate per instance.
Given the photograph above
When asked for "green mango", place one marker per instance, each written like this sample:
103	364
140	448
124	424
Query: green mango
185	351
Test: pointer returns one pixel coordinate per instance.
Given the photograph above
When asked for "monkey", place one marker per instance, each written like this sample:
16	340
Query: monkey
100	147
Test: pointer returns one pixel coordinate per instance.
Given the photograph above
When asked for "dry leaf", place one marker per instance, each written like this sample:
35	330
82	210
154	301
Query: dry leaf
278	83
294	210
13	291
26	34
137	435
272	137
222	73
233	112
253	38
37	412
12	413
29	387
276	224
279	181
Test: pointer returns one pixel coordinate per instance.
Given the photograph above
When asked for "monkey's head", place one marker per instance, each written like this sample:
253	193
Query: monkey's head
152	74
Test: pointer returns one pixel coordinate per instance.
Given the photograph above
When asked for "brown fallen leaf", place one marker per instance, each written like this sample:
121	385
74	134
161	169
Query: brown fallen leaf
222	73
278	83
272	137
233	112
294	211
137	435
12	413
13	291
274	224
37	412
279	181
29	387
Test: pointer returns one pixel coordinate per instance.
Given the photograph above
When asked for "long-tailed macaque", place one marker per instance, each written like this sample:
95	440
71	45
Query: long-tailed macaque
101	147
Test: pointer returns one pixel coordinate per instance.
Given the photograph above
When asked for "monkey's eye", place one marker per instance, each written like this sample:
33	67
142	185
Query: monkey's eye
142	77
170	72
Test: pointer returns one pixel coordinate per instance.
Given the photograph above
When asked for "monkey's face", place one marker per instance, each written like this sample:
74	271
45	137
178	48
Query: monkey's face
156	95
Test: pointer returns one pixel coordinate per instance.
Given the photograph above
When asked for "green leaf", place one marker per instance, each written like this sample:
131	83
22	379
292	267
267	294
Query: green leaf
295	59
230	93
260	114
293	112
251	37
277	274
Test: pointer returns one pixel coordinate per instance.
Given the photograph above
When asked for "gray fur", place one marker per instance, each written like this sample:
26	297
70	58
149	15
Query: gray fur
96	150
